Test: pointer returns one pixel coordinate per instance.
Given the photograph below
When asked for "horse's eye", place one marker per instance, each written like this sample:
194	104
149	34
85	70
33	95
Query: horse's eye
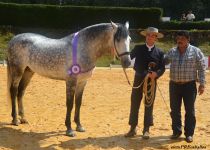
117	38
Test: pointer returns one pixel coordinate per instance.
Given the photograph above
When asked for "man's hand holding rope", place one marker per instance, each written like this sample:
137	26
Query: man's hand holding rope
152	75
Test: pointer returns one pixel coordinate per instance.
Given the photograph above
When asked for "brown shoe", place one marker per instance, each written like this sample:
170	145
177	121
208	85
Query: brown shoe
131	133
145	135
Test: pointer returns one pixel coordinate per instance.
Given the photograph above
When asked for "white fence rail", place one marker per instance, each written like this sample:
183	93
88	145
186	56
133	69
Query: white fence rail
3	62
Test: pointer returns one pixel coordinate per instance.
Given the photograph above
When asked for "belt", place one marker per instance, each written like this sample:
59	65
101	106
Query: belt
185	82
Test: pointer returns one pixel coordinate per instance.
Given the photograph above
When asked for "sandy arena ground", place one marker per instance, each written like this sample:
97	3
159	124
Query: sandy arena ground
104	114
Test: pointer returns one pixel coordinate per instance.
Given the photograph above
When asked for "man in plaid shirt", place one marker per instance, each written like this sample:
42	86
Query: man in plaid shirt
187	67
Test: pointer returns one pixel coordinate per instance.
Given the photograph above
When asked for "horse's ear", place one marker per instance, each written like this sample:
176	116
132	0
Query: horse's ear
127	24
114	25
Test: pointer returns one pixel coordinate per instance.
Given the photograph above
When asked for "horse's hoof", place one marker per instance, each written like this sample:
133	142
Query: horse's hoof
70	133
80	129
15	122
23	121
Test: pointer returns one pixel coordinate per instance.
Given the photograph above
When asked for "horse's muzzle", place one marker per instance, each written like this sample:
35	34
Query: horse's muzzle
125	63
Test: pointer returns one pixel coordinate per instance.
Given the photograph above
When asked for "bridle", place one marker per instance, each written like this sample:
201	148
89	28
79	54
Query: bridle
117	53
119	56
124	70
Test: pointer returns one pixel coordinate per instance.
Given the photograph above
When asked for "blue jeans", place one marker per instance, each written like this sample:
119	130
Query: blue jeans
187	92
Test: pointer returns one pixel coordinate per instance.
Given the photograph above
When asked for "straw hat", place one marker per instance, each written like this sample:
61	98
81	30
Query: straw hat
152	30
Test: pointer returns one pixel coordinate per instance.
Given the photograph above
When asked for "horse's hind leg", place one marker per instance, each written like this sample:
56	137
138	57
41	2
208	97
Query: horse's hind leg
78	101
15	74
27	75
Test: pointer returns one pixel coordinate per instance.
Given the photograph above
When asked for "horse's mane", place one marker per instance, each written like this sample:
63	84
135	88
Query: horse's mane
94	30
122	32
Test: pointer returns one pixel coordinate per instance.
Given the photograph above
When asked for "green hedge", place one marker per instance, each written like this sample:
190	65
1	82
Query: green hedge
179	25
49	16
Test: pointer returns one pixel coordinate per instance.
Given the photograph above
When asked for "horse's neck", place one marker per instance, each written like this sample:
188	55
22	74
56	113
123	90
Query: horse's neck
101	44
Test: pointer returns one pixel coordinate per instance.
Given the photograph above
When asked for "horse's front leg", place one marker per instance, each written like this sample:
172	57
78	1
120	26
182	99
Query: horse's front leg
78	101
70	91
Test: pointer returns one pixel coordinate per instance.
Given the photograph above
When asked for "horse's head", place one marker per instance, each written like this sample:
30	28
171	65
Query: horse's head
122	43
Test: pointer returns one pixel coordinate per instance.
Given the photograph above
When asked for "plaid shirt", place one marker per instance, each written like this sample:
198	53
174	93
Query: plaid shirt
188	66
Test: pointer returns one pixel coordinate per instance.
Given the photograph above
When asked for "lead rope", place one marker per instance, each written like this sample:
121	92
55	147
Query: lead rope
152	91
148	89
164	100
134	87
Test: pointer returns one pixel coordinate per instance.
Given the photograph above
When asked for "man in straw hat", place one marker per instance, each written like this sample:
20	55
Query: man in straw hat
144	55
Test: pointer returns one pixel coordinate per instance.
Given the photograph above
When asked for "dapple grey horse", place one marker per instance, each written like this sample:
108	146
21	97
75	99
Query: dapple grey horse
71	58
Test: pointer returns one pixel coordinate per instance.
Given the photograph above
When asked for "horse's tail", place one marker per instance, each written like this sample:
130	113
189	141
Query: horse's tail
9	82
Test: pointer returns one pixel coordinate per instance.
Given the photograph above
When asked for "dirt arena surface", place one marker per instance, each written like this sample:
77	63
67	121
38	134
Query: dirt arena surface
104	114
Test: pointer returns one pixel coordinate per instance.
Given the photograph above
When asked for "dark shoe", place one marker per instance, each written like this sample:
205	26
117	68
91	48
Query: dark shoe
189	139
145	135
176	136
131	133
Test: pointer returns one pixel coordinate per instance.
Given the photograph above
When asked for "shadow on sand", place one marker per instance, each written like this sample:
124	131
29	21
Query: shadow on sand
119	141
18	139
